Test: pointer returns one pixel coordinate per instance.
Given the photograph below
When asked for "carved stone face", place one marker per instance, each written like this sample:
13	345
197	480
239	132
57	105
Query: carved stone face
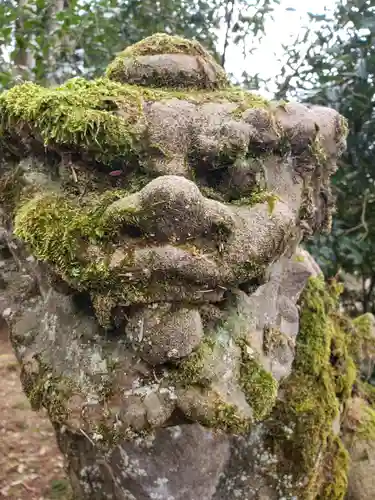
165	224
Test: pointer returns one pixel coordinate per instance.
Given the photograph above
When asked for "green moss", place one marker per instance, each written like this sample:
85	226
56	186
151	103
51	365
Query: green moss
300	428
45	390
258	385
317	150
190	370
161	43
58	231
366	427
102	117
78	242
77	114
363	338
314	338
122	211
335	471
344	370
366	391
259	197
301	423
226	418
364	325
343	128
253	101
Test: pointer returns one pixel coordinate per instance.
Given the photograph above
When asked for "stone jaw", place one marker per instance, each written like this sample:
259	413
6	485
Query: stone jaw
161	303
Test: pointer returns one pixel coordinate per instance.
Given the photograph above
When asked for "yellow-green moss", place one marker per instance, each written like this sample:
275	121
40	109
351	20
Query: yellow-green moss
259	197
363	338
100	116
78	242
366	391
366	427
314	338
335	471
48	391
190	370
301	423
343	128
226	418
161	43
344	370
77	114
258	385
317	150
58	231
300	428
253	101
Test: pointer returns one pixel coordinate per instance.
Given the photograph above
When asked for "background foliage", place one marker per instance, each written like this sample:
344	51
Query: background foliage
338	70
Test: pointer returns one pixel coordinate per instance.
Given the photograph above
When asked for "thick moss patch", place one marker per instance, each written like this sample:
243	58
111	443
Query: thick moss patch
102	117
258	385
60	232
301	426
78	241
335	471
190	370
77	114
161	43
366	427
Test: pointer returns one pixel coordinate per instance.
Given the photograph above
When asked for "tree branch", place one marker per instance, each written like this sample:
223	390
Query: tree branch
229	9
363	222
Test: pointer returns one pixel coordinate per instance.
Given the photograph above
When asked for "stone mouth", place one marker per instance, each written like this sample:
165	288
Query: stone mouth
164	243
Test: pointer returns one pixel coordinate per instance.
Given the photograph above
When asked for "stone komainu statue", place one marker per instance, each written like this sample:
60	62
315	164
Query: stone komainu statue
183	344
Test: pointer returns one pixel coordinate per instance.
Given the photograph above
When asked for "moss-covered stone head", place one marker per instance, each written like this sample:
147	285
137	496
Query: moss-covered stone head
160	210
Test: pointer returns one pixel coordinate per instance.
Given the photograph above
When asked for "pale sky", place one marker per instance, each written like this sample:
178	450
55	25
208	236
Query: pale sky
282	30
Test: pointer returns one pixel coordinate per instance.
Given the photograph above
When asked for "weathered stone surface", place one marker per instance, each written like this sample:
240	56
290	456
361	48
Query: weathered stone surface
359	437
160	305
164	333
364	345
